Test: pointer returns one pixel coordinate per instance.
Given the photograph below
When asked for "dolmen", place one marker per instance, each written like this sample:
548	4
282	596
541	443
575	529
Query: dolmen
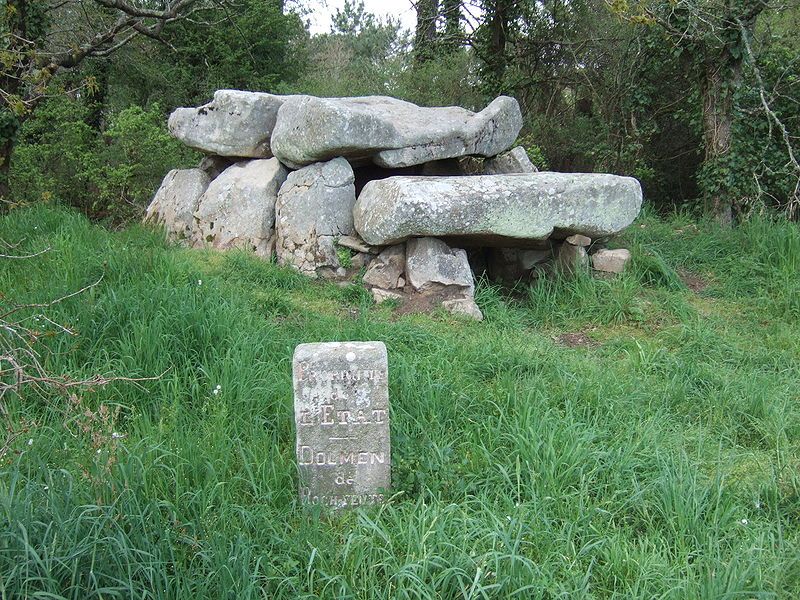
415	200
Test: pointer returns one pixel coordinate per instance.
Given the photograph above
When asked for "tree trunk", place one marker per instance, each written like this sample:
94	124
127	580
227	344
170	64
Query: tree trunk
5	162
719	80
498	37
453	37
425	36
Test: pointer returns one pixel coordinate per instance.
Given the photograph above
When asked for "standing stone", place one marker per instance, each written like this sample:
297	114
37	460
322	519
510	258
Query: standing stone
341	409
238	208
579	240
571	260
314	209
176	200
431	262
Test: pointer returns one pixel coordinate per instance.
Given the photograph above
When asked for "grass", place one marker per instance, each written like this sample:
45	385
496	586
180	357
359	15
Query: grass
661	460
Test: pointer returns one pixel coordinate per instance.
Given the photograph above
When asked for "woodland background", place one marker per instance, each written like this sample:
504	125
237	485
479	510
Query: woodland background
696	98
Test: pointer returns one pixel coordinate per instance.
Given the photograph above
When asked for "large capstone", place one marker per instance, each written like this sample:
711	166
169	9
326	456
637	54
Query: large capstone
314	208
238	208
389	132
176	201
234	123
498	210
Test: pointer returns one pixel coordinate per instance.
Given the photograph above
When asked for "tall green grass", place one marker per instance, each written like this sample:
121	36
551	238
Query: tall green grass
659	461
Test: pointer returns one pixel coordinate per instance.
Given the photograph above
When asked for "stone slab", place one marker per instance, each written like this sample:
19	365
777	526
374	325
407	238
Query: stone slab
389	132
234	123
496	209
341	403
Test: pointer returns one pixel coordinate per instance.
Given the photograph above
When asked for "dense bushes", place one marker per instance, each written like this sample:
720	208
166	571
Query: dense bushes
106	174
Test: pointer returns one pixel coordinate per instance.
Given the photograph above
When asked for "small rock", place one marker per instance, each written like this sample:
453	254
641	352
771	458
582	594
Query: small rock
430	261
361	260
514	161
357	244
611	261
463	306
385	271
579	240
380	295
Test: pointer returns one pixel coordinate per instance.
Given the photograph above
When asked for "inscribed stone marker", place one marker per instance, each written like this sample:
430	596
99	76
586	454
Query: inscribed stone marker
341	410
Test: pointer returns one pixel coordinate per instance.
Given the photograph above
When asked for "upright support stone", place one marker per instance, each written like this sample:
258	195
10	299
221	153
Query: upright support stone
341	409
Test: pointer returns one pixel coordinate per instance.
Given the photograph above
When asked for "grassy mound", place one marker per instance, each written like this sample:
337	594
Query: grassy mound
636	437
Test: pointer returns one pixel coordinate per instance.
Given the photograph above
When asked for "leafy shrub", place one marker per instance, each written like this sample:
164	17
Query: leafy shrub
110	174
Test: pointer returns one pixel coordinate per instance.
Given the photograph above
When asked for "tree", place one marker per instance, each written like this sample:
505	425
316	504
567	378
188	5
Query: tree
39	39
711	36
452	36
425	37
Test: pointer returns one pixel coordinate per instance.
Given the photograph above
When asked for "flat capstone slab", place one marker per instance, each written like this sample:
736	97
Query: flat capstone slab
502	209
341	408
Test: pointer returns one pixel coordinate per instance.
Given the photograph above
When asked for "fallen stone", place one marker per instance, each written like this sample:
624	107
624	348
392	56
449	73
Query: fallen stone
381	295
579	240
463	306
514	161
571	260
356	243
389	132
496	210
314	208
238	208
176	200
234	123
430	261
611	261
385	271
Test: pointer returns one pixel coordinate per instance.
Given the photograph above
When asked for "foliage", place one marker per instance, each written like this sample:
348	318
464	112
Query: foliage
664	448
259	47
758	169
112	175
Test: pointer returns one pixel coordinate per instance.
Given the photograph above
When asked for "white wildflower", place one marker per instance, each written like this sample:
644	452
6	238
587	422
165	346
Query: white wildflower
30	442
744	521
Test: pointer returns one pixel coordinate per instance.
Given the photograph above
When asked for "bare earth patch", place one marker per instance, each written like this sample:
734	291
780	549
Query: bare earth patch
575	340
692	280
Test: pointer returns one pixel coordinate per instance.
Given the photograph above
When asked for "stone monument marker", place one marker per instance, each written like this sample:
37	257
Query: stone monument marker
341	411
